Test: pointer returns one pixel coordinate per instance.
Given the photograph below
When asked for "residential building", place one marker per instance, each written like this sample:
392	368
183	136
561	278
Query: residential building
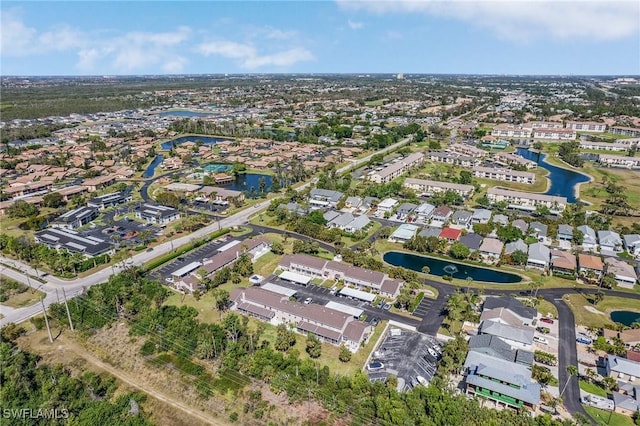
521	225
219	195
472	241
526	201
441	214
453	158
511	131
324	198
481	216
609	241
76	218
404	233
510	159
109	200
469	150
505	175
619	161
624	273
563	263
461	218
155	213
525	314
518	337
497	348
590	239
632	244
423	212
491	249
359	223
544	125
604	146
539	256
430	231
404	210
586	126
387	205
353	202
588	263
450	234
625	131
74	242
501	219
622	369
517	245
327	324
565	232
506	383
392	171
627	399
99	182
230	252
431	187
539	231
555	134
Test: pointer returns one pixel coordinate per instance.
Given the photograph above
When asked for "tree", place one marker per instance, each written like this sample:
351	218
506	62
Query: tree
459	251
262	185
542	210
22	209
167	198
221	298
317	217
243	266
509	233
345	354
519	257
537	145
426	269
609	280
277	248
285	338
465	177
572	370
314	347
53	200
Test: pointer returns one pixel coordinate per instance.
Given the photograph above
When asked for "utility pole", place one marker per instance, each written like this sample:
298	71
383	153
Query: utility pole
67	306
46	320
57	295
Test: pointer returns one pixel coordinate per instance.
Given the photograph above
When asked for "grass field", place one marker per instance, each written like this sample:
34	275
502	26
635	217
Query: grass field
24	299
592	388
602	417
600	317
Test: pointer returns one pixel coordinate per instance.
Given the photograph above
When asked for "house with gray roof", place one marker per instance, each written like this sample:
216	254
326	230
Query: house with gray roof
609	241
481	216
526	313
623	369
624	273
506	383
565	232
521	225
517	245
539	231
329	215
627	399
516	336
353	202
589	240
423	212
404	210
357	224
403	233
498	348
472	241
319	198
369	203
501	219
632	244
430	231
294	208
539	256
461	218
340	221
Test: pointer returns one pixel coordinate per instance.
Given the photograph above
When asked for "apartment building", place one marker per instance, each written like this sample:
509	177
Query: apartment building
514	160
75	218
586	126
604	146
453	158
625	131
511	131
434	187
155	213
555	134
73	242
395	170
619	161
506	175
543	125
329	325
469	150
526	200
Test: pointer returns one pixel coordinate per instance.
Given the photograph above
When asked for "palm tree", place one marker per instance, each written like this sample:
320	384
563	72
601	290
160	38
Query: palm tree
572	370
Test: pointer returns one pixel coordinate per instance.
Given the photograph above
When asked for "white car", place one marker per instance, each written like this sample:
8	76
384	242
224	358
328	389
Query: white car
422	381
541	340
432	352
307	300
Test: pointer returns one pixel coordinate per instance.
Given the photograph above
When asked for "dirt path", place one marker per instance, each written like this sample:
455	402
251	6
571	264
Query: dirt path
137	384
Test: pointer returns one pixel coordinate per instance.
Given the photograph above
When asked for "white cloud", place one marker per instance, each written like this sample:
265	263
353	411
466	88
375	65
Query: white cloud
248	56
523	20
354	25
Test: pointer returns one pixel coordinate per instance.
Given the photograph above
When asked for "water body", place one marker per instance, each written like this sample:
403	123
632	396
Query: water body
152	167
563	181
206	140
441	267
246	181
183	113
625	317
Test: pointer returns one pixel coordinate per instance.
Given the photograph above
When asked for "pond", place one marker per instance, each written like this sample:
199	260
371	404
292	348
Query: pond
564	182
152	167
625	317
184	113
442	267
206	140
247	181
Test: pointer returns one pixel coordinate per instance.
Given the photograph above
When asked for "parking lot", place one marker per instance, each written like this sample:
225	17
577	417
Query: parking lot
124	232
424	308
407	355
197	255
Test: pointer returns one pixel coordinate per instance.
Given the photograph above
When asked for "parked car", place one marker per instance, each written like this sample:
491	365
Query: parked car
583	340
540	340
375	365
375	322
422	381
547	320
307	300
432	352
380	304
543	330
386	306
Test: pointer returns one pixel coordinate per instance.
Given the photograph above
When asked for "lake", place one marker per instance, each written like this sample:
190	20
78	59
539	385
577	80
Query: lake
152	167
625	317
246	181
206	140
184	113
442	267
563	181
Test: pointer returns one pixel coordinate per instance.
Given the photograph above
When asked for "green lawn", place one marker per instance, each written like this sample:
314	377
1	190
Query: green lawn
592	388
578	304
545	308
602	417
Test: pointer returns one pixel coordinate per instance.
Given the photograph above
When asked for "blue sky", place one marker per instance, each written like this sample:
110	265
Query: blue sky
342	36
